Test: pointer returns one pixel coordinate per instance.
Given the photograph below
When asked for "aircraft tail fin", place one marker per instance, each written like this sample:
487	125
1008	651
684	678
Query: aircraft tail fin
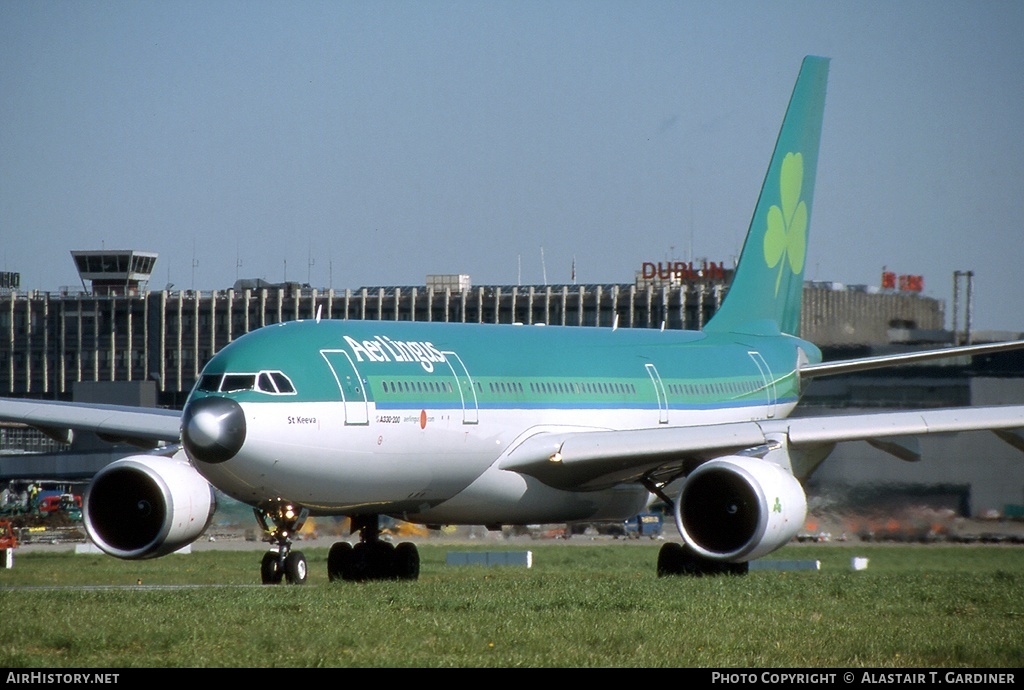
767	288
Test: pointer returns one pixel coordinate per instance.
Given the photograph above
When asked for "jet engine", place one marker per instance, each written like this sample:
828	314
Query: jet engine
144	506
736	508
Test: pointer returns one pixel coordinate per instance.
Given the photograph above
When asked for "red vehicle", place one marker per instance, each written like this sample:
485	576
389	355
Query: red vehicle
60	502
8	539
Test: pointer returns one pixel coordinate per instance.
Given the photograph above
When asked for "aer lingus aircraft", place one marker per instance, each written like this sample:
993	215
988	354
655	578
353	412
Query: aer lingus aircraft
440	423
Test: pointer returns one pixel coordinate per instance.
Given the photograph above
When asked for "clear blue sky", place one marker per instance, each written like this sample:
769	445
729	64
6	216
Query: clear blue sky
371	143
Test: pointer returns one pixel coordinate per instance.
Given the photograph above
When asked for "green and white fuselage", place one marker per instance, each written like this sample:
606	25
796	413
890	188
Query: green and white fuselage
452	422
412	419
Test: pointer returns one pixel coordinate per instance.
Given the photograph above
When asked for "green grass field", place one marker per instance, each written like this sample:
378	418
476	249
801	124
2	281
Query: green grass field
578	606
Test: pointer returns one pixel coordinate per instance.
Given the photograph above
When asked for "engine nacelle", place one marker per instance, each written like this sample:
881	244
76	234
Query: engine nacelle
144	506
739	508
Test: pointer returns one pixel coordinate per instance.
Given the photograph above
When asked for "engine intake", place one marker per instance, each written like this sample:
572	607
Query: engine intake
738	508
144	506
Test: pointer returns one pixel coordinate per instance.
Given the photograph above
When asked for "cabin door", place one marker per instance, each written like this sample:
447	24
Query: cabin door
350	385
771	395
467	392
659	392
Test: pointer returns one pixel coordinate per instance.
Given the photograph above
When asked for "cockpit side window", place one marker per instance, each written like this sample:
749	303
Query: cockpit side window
284	384
265	384
274	382
209	383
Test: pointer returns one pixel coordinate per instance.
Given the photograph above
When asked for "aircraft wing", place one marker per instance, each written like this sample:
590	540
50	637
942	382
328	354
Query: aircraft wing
596	459
847	366
137	425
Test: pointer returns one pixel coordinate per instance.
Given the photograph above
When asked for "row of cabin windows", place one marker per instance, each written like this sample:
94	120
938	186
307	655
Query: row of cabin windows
417	387
513	388
721	388
571	388
587	388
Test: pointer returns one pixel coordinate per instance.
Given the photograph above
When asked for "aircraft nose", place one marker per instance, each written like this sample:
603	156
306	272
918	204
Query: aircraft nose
213	429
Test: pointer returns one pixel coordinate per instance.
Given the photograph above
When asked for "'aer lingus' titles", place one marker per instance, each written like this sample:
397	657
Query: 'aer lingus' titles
381	348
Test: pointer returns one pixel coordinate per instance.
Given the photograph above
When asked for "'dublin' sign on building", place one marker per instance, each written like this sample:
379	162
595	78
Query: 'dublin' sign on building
681	272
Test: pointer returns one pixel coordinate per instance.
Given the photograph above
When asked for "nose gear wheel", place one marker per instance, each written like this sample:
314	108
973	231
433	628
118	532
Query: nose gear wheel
280	520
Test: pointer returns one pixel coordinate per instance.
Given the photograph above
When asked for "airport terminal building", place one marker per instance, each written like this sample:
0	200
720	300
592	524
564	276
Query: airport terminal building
116	329
116	340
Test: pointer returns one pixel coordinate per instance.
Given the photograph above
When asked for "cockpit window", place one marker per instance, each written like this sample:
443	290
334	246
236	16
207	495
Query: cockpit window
274	382
237	382
284	384
209	383
264	383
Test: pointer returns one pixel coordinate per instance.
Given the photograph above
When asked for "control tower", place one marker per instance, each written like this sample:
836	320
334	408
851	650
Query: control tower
114	272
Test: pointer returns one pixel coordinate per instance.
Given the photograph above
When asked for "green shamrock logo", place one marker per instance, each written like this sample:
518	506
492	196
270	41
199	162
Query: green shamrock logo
777	508
787	226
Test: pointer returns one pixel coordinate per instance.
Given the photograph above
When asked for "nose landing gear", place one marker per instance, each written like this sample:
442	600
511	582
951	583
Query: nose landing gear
281	562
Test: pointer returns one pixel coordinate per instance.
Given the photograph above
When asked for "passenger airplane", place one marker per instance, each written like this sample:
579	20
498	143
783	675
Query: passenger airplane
440	423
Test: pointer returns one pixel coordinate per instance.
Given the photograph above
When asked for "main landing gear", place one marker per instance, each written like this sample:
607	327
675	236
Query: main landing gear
681	559
371	558
281	562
